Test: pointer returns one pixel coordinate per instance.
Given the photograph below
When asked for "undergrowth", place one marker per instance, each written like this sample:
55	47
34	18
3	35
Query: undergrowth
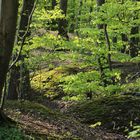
11	133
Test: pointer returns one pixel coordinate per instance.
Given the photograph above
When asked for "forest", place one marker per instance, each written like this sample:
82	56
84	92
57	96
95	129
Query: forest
69	70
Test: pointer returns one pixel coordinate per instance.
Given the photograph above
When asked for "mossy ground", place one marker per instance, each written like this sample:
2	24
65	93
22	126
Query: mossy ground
116	112
47	82
29	107
38	122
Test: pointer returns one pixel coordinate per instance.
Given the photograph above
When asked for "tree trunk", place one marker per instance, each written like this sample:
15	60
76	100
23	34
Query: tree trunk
90	11
78	16
72	16
62	24
53	24
101	69
24	86
100	3
8	19
134	41
124	39
54	3
13	87
20	85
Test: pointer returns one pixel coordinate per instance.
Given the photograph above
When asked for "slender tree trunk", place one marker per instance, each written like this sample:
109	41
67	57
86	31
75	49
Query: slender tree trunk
72	16
54	22
109	50
8	19
101	26
134	41
62	24
124	39
114	39
54	3
100	3
108	46
90	11
78	16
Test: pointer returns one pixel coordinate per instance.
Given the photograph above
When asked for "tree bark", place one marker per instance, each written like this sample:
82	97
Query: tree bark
54	3
134	41
13	86
90	11
8	20
24	87
101	69
18	85
62	24
78	16
124	39
108	46
100	3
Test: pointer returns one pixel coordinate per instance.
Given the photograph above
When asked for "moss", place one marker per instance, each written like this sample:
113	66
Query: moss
30	107
47	82
114	112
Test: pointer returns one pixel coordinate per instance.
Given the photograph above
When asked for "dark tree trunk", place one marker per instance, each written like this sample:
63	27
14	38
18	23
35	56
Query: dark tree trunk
114	39
54	22
54	3
134	41
108	46
124	39
20	85
25	15
72	17
80	7
7	35
90	11
62	24
100	3
78	16
13	87
8	19
24	86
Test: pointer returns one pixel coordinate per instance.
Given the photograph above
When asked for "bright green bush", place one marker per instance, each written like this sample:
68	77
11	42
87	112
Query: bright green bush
135	133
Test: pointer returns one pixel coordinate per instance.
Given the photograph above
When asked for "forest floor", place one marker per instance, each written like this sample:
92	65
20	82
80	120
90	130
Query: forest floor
41	122
103	118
